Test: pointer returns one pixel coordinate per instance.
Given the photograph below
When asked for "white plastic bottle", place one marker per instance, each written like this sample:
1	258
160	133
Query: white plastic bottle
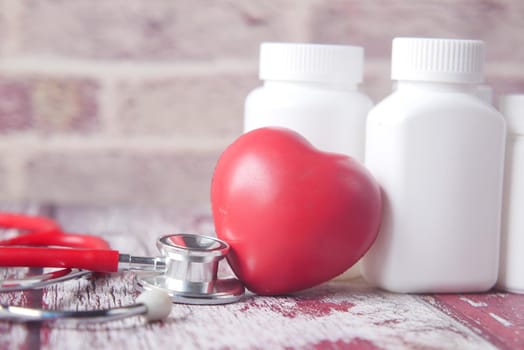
313	90
511	272
437	150
485	92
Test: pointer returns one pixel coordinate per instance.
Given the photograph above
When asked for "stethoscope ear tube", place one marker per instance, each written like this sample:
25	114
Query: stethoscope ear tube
27	222
23	314
153	305
40	281
57	238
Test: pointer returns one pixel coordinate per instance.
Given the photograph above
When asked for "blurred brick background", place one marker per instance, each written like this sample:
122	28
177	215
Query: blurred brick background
132	101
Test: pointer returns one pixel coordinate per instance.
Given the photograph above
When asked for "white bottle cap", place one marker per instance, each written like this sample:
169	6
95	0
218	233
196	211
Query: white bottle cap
512	107
337	64
438	60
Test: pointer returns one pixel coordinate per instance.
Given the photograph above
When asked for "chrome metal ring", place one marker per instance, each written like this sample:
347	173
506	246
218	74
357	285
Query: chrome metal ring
191	270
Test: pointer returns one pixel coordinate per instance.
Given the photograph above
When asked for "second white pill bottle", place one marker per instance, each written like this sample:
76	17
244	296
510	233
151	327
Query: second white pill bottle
313	90
437	151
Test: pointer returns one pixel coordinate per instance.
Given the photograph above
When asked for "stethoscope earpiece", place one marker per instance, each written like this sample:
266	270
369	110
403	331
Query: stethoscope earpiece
158	305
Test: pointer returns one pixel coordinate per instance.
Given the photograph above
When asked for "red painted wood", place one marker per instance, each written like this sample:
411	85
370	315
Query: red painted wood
498	317
335	315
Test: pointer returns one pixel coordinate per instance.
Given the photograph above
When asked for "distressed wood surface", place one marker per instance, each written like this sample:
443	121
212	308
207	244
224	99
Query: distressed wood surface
335	315
498	317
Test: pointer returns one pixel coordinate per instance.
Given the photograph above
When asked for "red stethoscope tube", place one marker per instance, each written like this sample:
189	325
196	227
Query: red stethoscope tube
89	259
27	223
36	246
57	238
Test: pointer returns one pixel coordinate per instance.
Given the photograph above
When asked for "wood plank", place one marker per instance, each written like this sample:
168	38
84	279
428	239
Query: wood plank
498	317
334	315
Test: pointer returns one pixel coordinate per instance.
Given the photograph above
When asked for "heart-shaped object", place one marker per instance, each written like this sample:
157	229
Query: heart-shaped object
293	215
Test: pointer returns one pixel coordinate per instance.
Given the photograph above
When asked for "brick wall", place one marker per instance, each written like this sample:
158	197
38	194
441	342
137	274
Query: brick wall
132	101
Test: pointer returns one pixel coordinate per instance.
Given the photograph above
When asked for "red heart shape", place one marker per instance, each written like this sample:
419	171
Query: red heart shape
293	215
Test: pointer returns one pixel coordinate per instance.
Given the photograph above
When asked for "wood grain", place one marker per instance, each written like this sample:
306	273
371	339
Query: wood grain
335	315
498	317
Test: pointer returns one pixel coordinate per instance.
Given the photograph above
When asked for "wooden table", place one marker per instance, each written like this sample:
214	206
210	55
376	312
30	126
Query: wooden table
335	315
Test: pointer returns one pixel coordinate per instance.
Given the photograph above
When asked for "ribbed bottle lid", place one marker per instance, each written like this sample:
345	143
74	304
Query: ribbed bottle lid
338	64
512	107
438	60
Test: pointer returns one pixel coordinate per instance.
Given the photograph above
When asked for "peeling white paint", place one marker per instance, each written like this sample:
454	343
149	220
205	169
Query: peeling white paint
474	303
501	320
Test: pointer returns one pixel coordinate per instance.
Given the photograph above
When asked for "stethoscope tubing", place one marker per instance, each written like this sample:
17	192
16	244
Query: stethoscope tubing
153	305
186	272
40	281
95	260
56	238
187	268
24	314
27	223
99	260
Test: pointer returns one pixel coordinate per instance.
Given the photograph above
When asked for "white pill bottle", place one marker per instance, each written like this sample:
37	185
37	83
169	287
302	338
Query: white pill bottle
437	150
313	90
511	273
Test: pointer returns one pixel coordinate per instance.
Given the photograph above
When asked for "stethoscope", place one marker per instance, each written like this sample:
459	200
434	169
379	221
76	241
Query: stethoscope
186	272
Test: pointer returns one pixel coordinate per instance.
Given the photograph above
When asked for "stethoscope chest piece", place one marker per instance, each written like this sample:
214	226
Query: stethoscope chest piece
191	271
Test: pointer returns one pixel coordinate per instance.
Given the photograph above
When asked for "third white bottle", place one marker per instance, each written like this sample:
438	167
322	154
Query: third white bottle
437	151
